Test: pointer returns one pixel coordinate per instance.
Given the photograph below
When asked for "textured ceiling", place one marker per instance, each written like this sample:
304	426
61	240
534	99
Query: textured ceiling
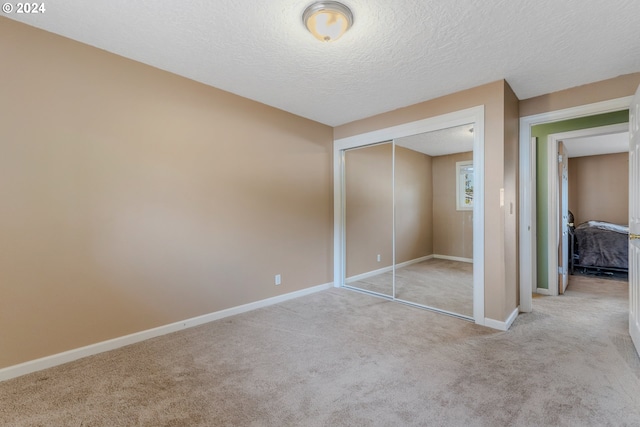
397	53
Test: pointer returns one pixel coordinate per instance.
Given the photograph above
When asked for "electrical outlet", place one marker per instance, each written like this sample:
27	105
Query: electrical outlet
378	257
278	279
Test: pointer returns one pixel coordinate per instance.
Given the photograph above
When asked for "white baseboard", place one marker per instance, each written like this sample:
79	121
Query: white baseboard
368	274
454	258
90	350
385	269
502	326
543	291
414	261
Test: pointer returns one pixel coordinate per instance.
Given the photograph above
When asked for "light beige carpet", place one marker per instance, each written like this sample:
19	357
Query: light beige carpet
342	358
438	283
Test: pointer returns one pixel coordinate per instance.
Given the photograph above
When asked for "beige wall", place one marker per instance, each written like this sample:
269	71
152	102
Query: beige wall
501	114
599	188
511	209
368	208
452	229
133	198
605	90
414	205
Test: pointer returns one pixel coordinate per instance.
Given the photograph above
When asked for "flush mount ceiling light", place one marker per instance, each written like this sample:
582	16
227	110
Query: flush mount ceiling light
327	20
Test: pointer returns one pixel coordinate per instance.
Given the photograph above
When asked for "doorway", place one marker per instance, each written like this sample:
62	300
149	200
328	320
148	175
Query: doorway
597	192
528	189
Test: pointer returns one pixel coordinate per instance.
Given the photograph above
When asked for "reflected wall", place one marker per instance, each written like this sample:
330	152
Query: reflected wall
453	228
414	204
368	210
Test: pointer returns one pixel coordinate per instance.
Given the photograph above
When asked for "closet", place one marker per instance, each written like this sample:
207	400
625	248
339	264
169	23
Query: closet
407	213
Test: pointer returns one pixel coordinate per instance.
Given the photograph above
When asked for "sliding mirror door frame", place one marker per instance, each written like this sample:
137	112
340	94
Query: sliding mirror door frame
369	255
475	116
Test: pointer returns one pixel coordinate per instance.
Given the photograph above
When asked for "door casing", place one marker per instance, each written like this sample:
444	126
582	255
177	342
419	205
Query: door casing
528	188
634	221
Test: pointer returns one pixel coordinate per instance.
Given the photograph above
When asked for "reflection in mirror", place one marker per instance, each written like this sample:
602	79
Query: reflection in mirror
368	180
434	219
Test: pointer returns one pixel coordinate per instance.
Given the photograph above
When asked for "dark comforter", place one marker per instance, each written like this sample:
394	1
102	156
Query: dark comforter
602	244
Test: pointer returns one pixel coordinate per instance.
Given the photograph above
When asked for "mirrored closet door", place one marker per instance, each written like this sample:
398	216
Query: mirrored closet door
409	213
433	190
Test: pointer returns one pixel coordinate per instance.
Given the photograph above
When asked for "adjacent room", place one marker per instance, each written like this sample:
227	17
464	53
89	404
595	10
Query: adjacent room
584	199
598	199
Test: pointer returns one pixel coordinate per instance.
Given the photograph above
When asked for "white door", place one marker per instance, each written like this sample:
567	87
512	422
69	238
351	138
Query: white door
563	223
634	220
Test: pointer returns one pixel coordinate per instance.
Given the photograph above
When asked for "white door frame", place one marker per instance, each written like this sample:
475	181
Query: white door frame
528	189
552	194
634	221
473	115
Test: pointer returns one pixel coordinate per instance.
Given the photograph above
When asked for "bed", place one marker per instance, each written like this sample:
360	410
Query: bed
602	245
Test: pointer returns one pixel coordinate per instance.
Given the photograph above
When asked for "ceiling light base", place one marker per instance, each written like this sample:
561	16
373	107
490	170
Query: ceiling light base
327	20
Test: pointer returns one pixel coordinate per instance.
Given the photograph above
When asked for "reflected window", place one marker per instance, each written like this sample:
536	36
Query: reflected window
464	185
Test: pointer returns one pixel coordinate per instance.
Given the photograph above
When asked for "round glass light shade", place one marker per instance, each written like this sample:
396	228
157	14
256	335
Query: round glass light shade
327	20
